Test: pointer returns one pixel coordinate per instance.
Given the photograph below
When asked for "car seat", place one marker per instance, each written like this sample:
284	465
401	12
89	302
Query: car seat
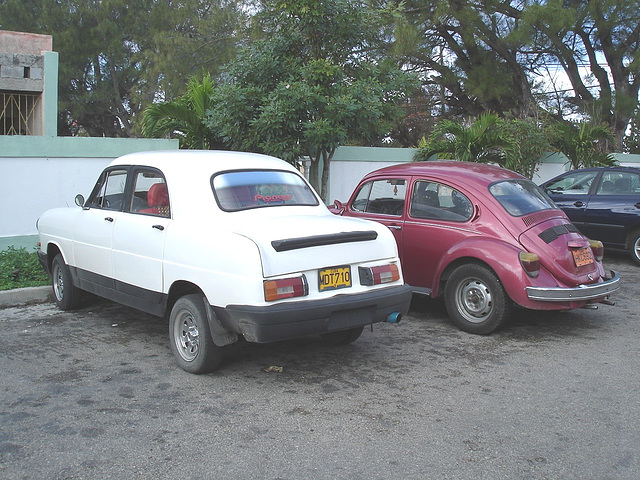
607	186
158	200
623	185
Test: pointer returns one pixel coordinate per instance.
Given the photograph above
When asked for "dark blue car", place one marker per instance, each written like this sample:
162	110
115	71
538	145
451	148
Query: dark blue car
603	202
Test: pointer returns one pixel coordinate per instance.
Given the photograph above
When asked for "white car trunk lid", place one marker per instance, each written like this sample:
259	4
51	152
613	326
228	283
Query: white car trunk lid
287	247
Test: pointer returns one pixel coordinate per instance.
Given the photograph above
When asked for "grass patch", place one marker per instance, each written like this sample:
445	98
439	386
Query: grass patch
20	268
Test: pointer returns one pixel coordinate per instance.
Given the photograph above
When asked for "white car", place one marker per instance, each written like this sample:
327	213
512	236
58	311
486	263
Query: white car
227	244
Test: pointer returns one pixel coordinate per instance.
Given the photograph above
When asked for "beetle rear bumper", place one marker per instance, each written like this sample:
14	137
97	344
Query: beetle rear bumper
576	294
299	319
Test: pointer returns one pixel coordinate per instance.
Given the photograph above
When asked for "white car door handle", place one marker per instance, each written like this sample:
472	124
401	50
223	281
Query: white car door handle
108	219
158	227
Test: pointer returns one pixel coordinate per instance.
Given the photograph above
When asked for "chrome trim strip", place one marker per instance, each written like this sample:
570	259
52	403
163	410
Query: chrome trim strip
581	292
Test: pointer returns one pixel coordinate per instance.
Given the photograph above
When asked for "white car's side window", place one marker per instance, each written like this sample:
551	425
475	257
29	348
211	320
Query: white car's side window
150	194
109	191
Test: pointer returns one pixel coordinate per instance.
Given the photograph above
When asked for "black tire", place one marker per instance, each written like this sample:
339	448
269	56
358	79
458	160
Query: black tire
476	300
343	337
634	246
65	293
190	337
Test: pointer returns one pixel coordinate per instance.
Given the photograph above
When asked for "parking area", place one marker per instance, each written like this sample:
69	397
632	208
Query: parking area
96	393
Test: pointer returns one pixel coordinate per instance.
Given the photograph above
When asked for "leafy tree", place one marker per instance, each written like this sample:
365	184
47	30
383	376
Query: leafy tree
469	51
483	140
491	55
632	140
314	84
519	145
118	55
583	33
581	143
183	118
529	146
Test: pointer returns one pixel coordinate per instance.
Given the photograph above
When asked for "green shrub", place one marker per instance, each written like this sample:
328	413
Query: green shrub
19	268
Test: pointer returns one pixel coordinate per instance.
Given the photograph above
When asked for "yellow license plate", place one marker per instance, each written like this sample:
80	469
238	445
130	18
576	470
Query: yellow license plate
582	256
334	278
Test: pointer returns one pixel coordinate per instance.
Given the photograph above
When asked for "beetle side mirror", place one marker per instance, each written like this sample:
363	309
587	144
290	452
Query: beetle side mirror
80	200
338	208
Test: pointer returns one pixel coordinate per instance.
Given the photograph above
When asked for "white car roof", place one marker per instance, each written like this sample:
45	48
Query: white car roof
205	162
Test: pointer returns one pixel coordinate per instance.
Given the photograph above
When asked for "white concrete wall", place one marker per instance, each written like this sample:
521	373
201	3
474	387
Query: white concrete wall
344	176
29	186
42	172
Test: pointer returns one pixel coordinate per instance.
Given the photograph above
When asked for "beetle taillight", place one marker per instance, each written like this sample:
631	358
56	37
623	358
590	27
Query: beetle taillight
530	263
380	274
597	248
285	288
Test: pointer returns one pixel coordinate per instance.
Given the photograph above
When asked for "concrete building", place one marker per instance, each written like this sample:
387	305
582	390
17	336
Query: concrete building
28	84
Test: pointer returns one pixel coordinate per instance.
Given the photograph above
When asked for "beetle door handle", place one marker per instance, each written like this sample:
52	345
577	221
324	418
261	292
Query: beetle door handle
395	227
158	227
108	219
578	204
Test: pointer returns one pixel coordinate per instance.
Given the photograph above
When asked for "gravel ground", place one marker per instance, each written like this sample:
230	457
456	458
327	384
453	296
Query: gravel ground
95	393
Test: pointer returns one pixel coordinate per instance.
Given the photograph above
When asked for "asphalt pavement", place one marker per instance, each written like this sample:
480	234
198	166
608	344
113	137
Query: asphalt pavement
95	393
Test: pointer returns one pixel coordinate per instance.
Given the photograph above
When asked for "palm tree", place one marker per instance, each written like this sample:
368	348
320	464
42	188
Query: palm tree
184	117
580	143
485	140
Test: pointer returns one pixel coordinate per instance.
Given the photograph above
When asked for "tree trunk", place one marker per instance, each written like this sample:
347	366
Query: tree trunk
327	156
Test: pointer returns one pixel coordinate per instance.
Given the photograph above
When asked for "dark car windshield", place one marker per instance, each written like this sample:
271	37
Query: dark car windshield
242	190
520	197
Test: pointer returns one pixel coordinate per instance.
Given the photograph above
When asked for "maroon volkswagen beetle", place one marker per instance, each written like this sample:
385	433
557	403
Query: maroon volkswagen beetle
485	238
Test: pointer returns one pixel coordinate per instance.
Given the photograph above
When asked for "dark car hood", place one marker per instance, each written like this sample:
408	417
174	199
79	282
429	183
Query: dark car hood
554	240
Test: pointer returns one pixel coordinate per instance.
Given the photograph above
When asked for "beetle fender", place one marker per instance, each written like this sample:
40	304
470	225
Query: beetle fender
501	257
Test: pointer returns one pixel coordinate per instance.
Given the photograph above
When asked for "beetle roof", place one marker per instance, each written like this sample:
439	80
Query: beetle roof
480	174
204	162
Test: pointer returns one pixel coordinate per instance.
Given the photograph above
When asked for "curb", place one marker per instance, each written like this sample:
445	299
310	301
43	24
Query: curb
25	296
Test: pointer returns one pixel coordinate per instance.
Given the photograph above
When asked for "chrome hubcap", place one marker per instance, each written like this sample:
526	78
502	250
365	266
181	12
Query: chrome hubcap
186	335
58	283
474	300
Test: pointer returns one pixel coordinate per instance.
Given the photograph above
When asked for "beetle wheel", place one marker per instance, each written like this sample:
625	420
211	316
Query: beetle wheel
476	300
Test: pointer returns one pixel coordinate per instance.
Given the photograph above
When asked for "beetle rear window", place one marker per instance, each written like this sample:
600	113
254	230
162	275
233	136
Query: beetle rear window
242	190
520	197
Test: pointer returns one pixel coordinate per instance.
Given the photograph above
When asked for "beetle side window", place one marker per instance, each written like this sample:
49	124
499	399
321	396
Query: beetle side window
109	191
577	183
150	194
619	183
385	197
436	201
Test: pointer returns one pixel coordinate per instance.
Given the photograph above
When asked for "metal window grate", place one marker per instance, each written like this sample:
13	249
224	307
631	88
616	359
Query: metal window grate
18	113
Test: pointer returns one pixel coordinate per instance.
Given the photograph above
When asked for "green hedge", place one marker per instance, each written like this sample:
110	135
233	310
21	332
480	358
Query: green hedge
20	268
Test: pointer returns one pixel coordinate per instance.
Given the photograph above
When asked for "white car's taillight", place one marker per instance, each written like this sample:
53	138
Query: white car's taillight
530	263
597	248
380	274
285	288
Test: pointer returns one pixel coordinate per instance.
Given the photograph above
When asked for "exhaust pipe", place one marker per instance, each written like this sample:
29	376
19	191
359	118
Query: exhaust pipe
394	317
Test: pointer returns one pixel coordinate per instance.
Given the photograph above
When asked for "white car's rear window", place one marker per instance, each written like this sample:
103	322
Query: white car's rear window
245	189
